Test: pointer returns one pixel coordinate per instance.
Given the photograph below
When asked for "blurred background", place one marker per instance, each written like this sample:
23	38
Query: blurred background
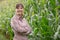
42	15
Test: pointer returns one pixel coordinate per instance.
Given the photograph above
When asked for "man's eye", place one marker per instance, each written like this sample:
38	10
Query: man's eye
21	8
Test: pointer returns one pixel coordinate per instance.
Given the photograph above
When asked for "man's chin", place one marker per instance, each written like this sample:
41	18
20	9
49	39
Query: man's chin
18	14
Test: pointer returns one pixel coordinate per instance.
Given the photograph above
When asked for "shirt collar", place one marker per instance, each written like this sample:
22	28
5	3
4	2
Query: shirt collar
18	17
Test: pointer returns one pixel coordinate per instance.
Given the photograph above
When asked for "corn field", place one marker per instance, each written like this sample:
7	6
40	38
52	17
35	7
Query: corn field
42	15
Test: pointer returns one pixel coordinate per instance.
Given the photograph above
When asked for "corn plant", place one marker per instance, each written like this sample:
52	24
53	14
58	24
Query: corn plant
42	15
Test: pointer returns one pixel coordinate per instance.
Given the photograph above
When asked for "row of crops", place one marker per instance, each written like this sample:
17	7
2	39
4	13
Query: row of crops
42	15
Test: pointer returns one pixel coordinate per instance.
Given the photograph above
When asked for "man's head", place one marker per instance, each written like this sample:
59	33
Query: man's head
19	9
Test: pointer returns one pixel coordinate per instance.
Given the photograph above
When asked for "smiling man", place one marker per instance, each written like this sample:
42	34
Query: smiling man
20	25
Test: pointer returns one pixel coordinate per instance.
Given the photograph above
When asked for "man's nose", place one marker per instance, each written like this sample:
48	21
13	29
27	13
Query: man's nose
20	9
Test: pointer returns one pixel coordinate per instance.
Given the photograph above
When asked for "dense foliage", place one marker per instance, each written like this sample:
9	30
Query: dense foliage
42	15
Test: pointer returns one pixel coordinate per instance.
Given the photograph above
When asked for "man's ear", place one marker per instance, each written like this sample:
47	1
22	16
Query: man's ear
16	10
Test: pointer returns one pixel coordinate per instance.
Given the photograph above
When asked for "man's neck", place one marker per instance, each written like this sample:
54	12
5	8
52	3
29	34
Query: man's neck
19	16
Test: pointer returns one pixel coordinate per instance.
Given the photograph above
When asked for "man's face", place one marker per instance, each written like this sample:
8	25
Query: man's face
19	11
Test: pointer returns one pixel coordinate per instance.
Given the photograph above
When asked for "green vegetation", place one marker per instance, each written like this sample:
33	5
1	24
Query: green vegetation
42	15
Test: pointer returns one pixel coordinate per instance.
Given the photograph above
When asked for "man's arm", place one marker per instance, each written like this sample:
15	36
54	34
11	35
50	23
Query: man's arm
15	26
28	27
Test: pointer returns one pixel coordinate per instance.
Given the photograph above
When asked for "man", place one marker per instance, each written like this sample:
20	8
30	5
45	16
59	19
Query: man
20	25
